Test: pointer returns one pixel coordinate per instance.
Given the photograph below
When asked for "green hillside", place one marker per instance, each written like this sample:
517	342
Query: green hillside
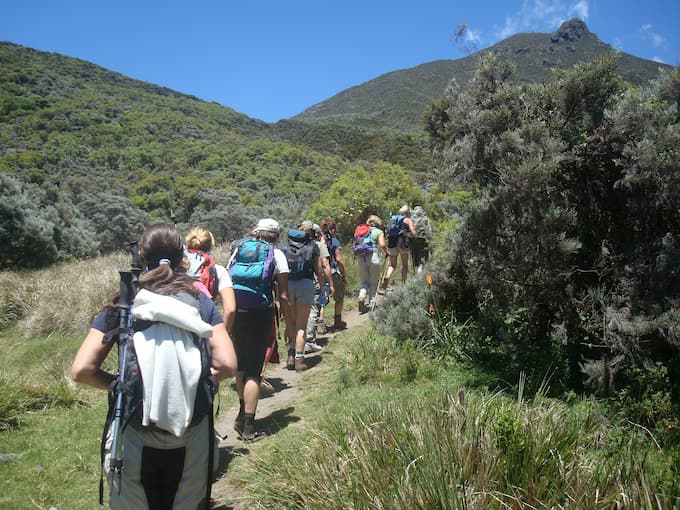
87	156
396	100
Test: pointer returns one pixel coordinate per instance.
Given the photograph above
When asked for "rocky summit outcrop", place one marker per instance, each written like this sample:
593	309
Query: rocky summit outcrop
571	30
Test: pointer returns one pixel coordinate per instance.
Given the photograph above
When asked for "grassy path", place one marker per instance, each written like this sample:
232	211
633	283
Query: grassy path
275	412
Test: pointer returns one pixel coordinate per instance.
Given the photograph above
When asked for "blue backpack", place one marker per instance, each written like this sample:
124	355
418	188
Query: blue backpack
251	269
395	229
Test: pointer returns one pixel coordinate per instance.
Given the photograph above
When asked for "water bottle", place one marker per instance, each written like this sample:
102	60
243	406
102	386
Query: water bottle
323	297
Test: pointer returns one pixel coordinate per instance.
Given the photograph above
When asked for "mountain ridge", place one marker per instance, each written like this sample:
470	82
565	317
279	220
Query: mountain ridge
386	102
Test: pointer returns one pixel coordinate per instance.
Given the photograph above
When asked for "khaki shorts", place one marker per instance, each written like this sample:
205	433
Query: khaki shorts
339	287
399	249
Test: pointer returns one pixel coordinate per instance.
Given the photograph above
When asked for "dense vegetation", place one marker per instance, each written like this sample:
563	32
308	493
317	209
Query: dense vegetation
88	156
565	262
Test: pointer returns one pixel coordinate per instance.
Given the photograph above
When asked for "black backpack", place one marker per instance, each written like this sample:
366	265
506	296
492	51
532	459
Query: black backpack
396	228
299	253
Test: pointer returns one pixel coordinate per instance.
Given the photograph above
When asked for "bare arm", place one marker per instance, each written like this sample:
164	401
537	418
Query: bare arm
381	243
86	367
223	363
340	261
325	271
411	229
228	306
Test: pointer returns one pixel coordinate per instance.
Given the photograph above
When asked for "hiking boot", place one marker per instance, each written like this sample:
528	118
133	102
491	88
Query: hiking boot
238	424
312	347
290	361
362	307
248	433
300	365
339	324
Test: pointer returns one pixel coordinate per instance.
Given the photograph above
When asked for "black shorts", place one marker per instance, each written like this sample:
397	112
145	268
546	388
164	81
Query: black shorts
251	334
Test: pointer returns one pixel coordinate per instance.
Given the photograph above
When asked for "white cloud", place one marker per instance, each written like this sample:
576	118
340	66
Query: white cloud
580	10
542	16
472	36
648	34
660	60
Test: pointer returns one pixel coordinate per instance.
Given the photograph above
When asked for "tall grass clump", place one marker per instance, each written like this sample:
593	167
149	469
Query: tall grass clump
18	397
61	299
458	449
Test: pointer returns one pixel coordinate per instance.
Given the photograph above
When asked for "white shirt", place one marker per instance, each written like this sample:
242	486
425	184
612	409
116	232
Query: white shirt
223	278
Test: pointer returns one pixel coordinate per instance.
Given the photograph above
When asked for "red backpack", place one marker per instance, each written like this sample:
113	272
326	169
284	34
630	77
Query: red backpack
202	269
362	243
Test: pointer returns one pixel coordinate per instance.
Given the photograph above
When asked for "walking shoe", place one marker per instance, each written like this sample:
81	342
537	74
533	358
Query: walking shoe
300	365
312	347
252	437
290	361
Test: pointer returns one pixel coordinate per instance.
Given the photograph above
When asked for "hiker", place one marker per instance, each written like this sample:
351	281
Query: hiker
167	451
256	267
420	243
304	262
316	324
201	241
399	233
368	244
338	272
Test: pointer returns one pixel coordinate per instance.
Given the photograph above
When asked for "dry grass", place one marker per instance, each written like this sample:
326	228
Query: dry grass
61	299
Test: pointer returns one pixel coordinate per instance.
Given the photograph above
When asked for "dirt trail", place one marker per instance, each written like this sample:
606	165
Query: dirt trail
272	412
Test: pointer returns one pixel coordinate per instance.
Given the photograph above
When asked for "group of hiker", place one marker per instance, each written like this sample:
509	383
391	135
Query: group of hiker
160	407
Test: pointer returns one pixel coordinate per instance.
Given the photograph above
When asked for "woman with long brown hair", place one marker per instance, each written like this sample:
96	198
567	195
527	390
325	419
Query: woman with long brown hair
165	453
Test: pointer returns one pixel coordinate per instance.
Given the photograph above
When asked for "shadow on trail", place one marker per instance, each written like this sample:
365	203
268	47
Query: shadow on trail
278	420
226	455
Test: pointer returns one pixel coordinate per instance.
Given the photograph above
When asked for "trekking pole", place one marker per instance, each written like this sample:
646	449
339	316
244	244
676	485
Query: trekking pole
128	282
383	272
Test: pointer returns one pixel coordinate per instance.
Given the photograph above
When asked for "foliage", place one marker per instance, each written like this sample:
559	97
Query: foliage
94	156
380	189
403	312
40	226
569	251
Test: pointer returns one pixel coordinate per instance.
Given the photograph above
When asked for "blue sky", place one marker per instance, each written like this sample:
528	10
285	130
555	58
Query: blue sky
273	59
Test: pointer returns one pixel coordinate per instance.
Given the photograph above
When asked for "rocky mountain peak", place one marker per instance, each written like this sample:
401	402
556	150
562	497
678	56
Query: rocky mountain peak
571	30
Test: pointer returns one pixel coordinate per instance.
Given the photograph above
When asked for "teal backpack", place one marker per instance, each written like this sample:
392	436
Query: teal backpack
252	269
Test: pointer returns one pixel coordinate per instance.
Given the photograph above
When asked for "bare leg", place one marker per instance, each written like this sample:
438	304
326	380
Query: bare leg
404	267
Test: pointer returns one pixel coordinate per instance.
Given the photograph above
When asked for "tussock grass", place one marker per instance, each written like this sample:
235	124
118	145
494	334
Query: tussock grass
61	299
384	441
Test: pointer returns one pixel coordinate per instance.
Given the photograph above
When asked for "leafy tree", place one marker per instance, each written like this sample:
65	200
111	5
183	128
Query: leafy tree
380	189
570	252
39	227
